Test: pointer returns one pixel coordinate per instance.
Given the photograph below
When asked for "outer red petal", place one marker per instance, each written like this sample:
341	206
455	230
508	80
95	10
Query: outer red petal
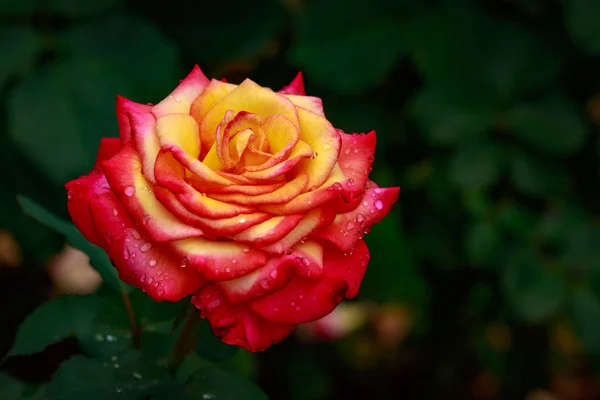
304	300
181	99
350	227
356	157
124	108
140	263
295	87
80	190
238	326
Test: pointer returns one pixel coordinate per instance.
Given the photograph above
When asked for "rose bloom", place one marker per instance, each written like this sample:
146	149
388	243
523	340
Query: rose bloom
246	198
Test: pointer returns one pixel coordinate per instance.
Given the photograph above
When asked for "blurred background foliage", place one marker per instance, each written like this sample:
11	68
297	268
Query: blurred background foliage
484	282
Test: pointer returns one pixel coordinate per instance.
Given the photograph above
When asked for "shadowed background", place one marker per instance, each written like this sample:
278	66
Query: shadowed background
484	282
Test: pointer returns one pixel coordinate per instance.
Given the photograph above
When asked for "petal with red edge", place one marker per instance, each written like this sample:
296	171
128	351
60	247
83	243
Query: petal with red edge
123	173
124	107
140	263
295	87
251	98
324	140
196	167
356	156
143	130
269	231
311	222
219	260
282	136
302	150
313	104
303	300
181	99
79	193
179	130
349	227
282	195
108	148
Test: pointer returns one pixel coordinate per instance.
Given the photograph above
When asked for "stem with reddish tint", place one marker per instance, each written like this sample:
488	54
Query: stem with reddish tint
135	328
186	340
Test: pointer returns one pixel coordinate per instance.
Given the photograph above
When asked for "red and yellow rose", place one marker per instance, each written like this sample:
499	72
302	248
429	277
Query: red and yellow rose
246	198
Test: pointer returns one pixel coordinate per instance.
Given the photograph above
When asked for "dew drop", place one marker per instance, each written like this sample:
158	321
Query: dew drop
152	262
246	250
301	296
347	151
297	308
292	304
143	278
129	191
111	338
305	261
264	283
150	279
126	253
350	182
161	292
350	225
241	220
116	365
365	204
360	218
379	204
337	186
137	375
208	396
228	270
309	201
115	212
377	190
155	285
145	247
135	234
177	99
355	151
184	262
327	146
273	274
119	390
146	220
233	261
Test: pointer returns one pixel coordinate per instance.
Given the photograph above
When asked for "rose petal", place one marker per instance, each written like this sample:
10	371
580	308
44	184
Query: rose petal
301	151
248	97
311	222
282	195
238	326
295	87
124	107
180	100
107	149
269	231
196	167
143	130
356	156
349	227
140	263
325	142
124	174
219	260
303	300
179	130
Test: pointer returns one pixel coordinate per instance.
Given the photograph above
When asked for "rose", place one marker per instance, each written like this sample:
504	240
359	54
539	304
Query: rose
246	198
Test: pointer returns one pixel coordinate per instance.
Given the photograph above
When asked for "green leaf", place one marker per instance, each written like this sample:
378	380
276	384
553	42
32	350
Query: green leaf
98	257
553	125
24	7
475	165
582	23
13	389
481	240
535	291
19	47
585	311
535	177
448	115
78	96
134	49
53	321
345	51
204	380
124	376
75	8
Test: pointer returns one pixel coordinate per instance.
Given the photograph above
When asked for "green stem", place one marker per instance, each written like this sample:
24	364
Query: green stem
186	340
135	328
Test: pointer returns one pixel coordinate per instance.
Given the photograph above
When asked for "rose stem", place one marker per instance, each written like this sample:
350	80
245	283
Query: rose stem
186	340
135	329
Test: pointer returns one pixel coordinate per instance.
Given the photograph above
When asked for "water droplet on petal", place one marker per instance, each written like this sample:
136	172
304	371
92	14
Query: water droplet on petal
350	225
233	261
126	253
337	186
246	250
146	220
360	218
350	182
365	204
143	278
327	146
264	283
241	220
184	262
297	308
137	375
150	279
145	247
161	292
115	212
129	191
152	262
355	151
379	204
228	270
377	190
347	151
177	99
305	261
273	274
